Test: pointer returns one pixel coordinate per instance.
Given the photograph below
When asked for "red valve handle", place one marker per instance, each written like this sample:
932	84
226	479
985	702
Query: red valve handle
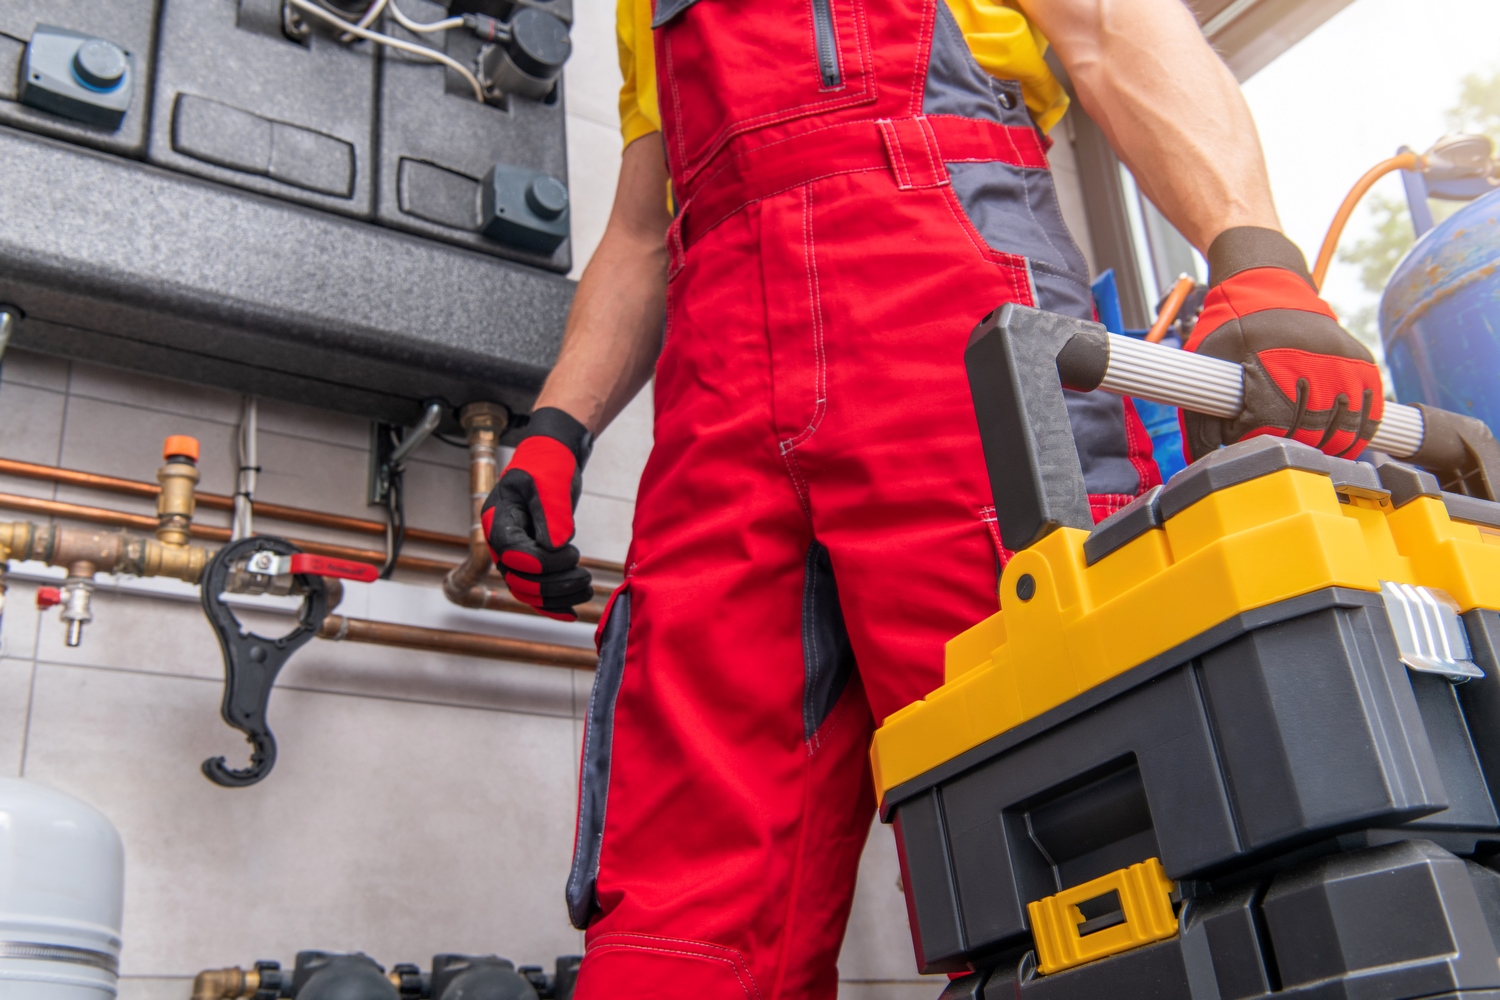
49	597
346	569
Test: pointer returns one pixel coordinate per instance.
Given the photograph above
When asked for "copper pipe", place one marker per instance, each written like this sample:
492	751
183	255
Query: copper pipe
498	600
1403	161
339	628
1169	308
274	511
464	584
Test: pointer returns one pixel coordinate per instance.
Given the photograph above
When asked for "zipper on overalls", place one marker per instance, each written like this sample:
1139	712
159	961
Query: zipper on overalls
828	52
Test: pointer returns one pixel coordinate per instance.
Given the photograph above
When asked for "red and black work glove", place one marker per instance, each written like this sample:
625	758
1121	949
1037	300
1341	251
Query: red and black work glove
1306	378
528	517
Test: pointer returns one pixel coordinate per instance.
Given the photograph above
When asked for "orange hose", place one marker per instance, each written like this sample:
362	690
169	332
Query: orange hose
1169	309
1405	161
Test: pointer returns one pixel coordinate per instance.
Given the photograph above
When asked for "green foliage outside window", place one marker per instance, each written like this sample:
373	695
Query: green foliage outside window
1376	255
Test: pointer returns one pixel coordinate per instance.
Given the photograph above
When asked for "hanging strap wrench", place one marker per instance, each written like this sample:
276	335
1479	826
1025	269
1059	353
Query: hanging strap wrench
265	565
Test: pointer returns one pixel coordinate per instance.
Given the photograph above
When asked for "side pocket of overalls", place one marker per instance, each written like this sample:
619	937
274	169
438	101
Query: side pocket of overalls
598	739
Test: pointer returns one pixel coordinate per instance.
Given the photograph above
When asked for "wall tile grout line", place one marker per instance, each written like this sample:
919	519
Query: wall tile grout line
26	726
38	662
195	417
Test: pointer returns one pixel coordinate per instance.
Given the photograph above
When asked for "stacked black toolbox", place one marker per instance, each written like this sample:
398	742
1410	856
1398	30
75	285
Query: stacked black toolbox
1240	740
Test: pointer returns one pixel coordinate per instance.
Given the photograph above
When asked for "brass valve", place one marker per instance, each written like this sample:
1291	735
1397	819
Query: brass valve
85	551
178	478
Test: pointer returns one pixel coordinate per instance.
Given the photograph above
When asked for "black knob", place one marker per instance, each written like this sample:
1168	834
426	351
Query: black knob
539	42
547	197
1026	587
99	64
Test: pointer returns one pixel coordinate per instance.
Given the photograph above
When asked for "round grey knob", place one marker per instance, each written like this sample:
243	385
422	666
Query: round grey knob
539	42
547	197
99	64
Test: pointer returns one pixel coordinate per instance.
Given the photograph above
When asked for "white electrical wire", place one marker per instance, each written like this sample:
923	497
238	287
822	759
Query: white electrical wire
395	43
244	493
420	28
371	14
366	20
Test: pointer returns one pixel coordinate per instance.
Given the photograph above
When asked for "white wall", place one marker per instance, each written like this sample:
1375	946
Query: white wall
421	802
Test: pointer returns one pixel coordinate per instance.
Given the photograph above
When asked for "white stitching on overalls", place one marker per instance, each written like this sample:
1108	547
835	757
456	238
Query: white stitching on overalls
789	445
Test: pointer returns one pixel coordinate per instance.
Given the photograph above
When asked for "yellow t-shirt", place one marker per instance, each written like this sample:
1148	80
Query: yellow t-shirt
1003	42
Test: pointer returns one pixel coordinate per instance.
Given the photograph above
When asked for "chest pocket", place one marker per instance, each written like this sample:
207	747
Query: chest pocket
727	67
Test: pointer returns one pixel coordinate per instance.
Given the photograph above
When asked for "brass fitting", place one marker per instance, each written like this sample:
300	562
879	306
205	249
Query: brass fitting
178	478
225	984
107	551
181	562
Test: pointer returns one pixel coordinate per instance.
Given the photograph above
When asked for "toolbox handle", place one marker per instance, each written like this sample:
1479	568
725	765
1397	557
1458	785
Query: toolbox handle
1020	359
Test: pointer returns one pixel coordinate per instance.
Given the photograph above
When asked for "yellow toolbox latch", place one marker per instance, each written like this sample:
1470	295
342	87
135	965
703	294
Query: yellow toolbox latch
1133	905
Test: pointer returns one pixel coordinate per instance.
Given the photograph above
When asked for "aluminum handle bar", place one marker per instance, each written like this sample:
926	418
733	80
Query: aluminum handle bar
1211	386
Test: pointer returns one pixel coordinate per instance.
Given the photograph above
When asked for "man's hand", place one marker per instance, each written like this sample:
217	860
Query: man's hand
1305	377
528	517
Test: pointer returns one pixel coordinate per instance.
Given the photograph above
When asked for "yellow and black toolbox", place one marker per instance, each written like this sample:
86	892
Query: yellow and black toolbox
1240	740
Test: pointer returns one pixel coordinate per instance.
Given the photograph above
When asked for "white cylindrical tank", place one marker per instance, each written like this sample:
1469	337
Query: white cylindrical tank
62	886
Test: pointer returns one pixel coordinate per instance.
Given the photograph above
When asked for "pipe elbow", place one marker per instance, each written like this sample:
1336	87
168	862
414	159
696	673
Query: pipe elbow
459	589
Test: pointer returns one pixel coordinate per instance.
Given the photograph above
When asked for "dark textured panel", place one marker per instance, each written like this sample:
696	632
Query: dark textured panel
240	103
249	293
1317	728
1221	939
1480	697
1239	463
130	24
1074	790
1402	920
1101	693
1156	972
1033	465
931	893
1124	526
1469	803
428	115
1472	509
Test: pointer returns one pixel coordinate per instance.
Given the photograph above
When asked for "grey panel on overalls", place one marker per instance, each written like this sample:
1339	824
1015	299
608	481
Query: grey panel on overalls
598	751
1015	209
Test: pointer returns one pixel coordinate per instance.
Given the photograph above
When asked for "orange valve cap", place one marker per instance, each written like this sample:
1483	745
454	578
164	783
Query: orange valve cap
180	446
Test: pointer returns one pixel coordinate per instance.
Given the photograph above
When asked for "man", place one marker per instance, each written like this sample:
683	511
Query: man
857	182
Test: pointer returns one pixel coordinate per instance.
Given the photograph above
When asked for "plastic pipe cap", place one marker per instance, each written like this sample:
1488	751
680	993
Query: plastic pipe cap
180	446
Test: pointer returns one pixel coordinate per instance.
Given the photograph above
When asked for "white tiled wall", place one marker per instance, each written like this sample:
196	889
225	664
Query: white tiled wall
421	802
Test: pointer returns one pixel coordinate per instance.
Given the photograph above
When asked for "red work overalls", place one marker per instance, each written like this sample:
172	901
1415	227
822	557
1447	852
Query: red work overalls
815	520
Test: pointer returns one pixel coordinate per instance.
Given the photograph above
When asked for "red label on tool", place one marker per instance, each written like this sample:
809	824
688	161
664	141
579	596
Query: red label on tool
47	597
346	569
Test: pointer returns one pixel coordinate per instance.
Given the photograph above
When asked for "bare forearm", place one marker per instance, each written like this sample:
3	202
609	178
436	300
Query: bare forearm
1169	106
615	326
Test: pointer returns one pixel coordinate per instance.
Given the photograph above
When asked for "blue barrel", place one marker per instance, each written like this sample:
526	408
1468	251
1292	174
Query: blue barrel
1440	315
